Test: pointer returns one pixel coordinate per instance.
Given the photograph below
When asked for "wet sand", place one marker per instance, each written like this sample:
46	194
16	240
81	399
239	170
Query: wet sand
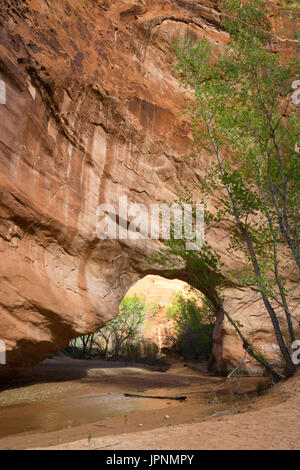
64	400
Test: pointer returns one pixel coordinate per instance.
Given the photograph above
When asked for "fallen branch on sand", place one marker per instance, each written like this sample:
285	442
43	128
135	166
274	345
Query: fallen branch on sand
103	426
108	445
179	398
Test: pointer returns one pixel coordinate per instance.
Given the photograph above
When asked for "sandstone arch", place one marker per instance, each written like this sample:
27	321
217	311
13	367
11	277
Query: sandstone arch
91	113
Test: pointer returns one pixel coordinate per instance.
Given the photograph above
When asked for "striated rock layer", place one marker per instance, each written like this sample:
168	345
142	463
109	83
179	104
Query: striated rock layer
92	113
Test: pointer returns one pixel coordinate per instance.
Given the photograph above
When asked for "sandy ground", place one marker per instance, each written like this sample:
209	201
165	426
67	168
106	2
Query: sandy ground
80	405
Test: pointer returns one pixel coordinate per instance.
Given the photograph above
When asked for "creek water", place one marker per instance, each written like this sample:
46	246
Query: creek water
69	412
67	396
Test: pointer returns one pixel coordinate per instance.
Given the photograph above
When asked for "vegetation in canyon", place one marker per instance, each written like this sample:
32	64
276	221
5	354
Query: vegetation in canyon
121	338
194	325
243	119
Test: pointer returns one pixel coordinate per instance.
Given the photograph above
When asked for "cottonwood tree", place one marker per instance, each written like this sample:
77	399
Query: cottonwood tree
125	327
194	322
83	345
243	118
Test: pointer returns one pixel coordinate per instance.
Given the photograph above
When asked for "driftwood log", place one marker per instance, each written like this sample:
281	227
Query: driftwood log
179	398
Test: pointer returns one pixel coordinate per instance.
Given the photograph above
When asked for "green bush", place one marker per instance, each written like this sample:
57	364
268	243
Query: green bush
260	389
194	325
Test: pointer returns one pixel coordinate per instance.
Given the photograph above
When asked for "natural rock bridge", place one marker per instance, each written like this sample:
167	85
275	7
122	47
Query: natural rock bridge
92	113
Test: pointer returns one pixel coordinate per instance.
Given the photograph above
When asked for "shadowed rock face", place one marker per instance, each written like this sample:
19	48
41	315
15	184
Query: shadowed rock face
92	113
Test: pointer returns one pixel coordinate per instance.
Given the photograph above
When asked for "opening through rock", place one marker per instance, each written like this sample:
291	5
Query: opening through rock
160	321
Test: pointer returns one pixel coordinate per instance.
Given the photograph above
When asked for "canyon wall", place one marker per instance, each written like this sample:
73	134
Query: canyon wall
93	113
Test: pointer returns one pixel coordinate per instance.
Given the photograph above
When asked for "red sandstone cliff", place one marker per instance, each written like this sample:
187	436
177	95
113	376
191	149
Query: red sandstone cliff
92	112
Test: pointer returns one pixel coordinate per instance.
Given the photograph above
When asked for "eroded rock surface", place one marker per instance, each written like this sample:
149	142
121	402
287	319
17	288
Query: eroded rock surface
92	113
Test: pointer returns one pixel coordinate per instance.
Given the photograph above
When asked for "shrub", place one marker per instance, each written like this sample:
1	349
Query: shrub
194	325
260	389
